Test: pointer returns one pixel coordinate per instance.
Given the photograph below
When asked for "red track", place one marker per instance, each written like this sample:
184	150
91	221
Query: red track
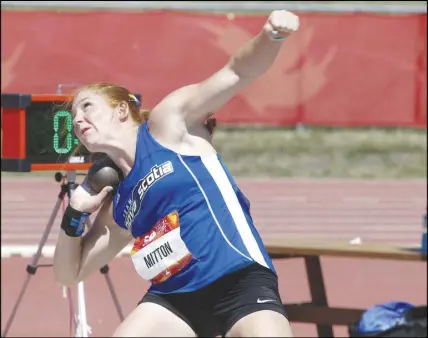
373	210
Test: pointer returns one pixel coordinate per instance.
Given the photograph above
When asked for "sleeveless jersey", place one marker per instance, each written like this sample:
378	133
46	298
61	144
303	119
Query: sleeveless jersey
190	221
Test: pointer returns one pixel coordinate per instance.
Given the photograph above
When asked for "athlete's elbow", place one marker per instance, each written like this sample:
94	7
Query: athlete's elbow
65	279
65	275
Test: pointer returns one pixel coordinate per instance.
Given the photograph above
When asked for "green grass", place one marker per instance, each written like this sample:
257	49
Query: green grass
324	152
369	153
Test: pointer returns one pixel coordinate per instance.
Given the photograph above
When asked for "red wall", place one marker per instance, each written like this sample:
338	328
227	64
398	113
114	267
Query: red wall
339	69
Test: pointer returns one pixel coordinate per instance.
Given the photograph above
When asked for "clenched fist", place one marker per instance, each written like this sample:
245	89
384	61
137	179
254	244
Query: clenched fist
281	24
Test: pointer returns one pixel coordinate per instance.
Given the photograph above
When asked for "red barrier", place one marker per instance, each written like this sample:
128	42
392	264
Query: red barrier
339	69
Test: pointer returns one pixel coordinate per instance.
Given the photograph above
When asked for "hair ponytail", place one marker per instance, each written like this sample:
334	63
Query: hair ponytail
143	115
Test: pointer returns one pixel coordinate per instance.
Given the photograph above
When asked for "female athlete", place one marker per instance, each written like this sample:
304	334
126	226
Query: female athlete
194	238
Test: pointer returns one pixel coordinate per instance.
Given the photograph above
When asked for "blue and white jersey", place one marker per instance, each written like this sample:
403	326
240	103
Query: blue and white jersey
190	221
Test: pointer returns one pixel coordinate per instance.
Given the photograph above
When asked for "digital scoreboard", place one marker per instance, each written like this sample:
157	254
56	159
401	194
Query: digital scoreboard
37	134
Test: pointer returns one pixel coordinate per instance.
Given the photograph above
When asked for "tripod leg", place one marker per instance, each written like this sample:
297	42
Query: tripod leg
104	270
31	269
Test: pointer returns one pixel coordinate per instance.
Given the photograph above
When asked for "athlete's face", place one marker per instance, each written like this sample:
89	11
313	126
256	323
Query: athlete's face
95	120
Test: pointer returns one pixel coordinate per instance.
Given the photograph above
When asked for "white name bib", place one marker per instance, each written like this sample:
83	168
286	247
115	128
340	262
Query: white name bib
161	253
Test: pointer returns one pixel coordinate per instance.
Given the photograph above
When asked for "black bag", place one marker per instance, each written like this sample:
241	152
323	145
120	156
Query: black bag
409	322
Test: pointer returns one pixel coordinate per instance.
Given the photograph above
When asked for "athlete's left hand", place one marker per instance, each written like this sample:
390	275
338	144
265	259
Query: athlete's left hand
84	199
281	24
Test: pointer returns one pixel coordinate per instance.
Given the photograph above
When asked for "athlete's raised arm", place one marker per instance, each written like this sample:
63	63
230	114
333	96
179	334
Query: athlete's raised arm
196	102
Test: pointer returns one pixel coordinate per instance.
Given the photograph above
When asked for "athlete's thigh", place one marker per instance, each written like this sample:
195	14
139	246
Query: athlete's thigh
253	307
153	320
264	323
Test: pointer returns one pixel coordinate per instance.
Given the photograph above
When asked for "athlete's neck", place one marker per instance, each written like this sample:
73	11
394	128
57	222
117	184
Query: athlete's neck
122	152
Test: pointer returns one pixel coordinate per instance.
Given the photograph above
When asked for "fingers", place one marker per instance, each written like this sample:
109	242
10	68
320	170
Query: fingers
84	201
103	193
95	202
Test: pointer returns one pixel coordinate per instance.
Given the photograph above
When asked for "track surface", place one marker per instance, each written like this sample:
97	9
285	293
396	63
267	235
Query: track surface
388	211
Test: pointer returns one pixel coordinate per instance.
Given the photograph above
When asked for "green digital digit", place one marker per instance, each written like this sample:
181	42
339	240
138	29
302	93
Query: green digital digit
69	127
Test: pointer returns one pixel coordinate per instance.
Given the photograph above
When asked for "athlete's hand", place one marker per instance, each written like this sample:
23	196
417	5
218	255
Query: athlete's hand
281	24
84	199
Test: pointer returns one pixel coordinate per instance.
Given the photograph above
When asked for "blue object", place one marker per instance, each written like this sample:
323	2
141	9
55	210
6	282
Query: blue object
424	242
383	317
424	235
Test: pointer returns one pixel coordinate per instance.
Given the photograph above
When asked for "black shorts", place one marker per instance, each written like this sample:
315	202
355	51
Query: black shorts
214	309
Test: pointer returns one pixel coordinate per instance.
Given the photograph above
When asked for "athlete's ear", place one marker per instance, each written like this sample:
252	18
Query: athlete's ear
122	111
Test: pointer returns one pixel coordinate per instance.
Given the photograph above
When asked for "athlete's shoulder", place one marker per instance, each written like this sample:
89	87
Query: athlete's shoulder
145	141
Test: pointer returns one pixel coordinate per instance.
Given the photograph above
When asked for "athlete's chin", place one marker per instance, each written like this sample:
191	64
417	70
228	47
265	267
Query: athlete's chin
94	146
93	143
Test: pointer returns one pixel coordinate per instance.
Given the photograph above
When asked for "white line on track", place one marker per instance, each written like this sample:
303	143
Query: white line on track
29	250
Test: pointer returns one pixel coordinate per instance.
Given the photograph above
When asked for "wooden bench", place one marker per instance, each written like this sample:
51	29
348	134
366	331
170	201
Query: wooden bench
318	312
